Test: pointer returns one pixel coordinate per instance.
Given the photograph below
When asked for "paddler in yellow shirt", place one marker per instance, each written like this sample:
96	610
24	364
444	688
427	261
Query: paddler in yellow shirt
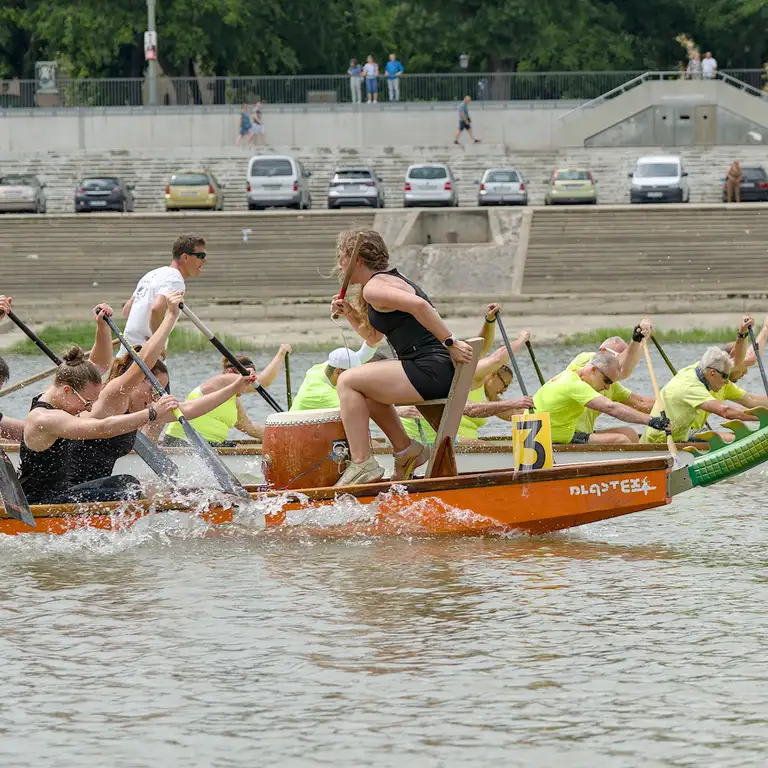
567	395
699	390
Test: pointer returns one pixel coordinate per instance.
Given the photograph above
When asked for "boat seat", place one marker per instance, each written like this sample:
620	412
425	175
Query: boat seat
445	415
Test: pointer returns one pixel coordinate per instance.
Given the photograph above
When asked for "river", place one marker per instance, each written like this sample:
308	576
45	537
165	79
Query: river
637	641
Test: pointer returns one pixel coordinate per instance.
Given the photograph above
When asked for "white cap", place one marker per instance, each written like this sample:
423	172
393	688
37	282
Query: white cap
344	358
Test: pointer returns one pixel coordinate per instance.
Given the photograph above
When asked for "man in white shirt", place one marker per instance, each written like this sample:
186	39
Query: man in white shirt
709	65
146	308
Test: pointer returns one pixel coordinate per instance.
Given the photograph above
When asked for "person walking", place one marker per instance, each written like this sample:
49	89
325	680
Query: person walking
465	123
733	182
257	124
245	127
355	73
393	70
371	71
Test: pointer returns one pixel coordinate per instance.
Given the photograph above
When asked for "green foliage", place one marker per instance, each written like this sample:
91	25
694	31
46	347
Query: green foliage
94	38
692	336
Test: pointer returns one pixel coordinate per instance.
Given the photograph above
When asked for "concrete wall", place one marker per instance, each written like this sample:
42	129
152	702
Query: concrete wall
515	124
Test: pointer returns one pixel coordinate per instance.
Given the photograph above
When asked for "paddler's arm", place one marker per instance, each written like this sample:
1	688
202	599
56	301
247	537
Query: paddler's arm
488	330
269	374
343	307
500	357
238	384
761	340
739	352
726	411
634	351
101	351
640	402
127	307
244	423
617	410
10	428
504	409
751	400
157	311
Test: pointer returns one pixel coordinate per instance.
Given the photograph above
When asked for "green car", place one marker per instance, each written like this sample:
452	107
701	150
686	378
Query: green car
571	185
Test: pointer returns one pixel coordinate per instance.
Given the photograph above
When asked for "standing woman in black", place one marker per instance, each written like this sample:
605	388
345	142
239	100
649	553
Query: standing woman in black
390	305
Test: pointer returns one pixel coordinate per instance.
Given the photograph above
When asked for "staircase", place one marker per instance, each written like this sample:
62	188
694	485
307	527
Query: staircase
647	249
150	170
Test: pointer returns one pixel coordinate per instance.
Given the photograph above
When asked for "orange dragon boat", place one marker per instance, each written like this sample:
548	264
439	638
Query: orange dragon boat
304	453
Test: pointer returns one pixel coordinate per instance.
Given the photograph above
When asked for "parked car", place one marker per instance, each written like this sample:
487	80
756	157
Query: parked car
754	186
277	181
194	189
22	192
430	184
571	185
103	193
351	187
502	186
659	179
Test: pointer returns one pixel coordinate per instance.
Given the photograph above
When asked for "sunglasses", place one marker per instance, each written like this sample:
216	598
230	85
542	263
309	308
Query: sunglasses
724	375
87	404
200	256
608	382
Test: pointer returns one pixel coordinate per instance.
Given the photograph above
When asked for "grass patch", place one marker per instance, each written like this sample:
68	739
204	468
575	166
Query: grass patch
61	337
691	336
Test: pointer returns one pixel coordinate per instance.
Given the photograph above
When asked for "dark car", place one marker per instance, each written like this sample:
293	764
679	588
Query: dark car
754	186
103	193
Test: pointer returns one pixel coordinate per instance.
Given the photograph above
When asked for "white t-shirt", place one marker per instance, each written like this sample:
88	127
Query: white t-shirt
158	282
708	66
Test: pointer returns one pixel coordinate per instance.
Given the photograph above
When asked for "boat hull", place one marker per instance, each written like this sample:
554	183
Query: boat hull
532	502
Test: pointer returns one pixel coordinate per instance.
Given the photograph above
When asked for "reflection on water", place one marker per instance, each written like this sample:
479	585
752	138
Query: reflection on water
636	641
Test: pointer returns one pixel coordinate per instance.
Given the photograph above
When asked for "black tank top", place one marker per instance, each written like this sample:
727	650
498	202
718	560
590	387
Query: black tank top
408	337
92	459
44	474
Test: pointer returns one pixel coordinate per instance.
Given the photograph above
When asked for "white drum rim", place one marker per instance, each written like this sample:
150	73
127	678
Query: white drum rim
302	418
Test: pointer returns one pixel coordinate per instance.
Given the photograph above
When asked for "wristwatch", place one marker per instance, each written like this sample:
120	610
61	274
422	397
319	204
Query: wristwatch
743	335
450	341
152	413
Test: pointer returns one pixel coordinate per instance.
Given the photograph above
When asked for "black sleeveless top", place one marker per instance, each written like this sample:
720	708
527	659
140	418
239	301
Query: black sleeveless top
44	474
92	459
408	337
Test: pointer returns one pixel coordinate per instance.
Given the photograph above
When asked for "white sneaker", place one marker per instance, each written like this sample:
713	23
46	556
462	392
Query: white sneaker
415	455
369	471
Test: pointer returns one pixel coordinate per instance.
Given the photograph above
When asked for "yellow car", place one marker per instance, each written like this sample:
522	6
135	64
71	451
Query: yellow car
571	185
194	189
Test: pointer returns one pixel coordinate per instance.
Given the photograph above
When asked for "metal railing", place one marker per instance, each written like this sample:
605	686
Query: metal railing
590	87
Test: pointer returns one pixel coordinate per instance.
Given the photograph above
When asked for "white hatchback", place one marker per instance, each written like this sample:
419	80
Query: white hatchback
430	184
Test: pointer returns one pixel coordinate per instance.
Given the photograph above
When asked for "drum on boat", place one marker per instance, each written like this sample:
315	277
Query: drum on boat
304	449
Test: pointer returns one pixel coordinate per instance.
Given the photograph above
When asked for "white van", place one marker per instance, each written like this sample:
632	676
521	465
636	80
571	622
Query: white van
277	181
659	179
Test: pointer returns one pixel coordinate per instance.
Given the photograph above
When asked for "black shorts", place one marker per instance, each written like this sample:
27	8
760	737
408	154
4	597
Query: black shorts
463	126
431	375
580	438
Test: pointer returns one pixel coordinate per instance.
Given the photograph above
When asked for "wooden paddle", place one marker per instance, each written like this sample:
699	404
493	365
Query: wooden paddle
37	377
155	459
758	357
539	374
288	391
224	476
348	272
511	354
670	440
208	333
12	496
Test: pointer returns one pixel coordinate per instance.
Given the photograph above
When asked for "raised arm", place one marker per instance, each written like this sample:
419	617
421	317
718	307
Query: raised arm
157	312
488	329
738	354
761	340
101	352
500	357
244	423
634	351
127	307
269	374
202	405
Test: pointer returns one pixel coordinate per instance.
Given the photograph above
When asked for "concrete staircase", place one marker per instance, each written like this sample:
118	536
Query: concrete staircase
646	250
150	170
71	259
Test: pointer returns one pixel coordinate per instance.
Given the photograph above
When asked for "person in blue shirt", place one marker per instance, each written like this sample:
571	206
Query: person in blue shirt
355	73
245	127
393	70
465	124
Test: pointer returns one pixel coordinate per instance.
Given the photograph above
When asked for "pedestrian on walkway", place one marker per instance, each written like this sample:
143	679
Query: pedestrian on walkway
258	131
355	73
371	71
733	182
393	70
465	123
709	66
245	127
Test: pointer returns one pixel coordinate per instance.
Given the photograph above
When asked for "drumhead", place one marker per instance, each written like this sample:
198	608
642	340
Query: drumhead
296	418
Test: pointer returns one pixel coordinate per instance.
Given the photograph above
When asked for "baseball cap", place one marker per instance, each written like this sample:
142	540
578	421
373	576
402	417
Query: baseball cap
344	358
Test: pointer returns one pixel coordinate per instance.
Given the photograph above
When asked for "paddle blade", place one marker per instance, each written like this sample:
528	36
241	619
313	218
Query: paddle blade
158	461
11	494
224	476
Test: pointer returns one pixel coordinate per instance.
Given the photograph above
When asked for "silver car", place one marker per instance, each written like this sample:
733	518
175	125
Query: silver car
22	192
430	184
502	186
277	181
355	187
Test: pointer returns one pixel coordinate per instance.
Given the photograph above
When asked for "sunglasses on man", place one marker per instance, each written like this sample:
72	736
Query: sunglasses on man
202	255
723	375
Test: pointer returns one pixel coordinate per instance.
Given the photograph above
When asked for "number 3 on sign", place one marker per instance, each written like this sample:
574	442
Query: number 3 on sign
531	441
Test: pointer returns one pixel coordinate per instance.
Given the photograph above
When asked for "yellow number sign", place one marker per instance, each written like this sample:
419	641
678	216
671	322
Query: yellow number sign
532	441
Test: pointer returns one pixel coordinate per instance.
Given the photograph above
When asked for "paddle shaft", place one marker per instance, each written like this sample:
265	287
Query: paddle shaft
208	333
348	272
511	354
288	390
758	357
657	392
539	374
34	338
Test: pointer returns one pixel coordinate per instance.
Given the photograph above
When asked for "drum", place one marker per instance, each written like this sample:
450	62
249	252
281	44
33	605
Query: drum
304	449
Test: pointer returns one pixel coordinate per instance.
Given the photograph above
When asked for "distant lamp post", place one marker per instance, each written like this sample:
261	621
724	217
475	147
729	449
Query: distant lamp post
464	61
